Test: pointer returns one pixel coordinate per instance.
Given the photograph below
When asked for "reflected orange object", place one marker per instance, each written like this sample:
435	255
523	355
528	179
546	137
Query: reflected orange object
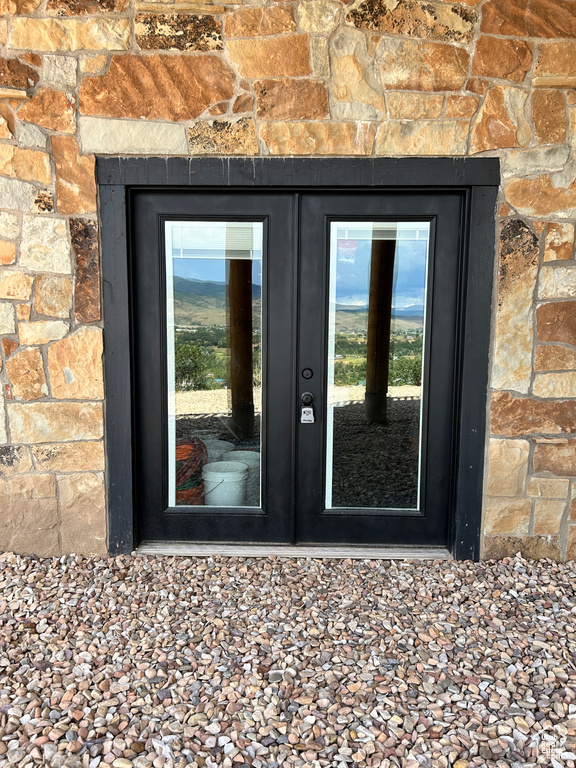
190	458
191	496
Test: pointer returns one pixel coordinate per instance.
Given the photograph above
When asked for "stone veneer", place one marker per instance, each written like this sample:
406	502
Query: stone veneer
293	77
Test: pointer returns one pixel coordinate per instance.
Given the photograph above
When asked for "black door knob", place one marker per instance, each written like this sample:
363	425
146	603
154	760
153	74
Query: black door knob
307	398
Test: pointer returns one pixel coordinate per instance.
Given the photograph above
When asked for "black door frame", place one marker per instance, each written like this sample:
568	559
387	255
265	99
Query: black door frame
477	178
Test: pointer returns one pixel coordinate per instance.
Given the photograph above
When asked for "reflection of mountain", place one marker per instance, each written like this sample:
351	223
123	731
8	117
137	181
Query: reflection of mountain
350	318
202	302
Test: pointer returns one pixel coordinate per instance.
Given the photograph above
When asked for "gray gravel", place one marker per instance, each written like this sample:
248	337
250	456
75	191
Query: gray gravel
171	661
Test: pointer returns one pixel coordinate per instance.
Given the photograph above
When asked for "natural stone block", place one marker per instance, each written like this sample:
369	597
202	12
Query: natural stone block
319	17
44	246
571	548
60	72
557	282
16	195
53	296
3	432
9	225
501	58
14	460
131	137
244	103
55	422
405	105
427	137
311	138
5	132
75	366
285	56
507	467
50	109
556	385
528	162
551	357
539	197
9	345
83	7
40	541
354	80
44	202
548	516
549	116
559	242
556	321
500	121
75	177
530	547
177	32
285	99
515	416
38	34
135	87
84	236
32	487
253	22
7	318
7	252
507	515
41	331
530	18
23	311
30	135
548	488
517	270
15	285
83	513
17	74
26	373
414	18
556	458
26	164
319	57
69	457
555	60
422	66
223	137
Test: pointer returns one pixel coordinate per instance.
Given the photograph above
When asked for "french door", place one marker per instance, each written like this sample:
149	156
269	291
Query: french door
295	365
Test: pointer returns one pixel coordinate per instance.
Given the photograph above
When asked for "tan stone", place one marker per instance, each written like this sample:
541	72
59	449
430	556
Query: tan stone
557	282
7	319
53	296
548	516
177	32
34	515
50	109
422	66
83	513
426	137
556	458
54	422
26	373
557	385
531	547
5	132
530	18
15	285
556	321
285	99
354	81
413	106
69	34
75	366
414	18
104	136
571	548
536	160
91	65
539	197
9	225
41	542
41	331
554	60
507	467
83	7
69	457
507	515
501	58
500	121
175	87
309	138
23	311
244	103
461	106
319	17
32	487
319	57
14	460
559	242
549	116
7	252
27	164
551	357
515	416
285	56
253	22
223	137
518	268
45	246
548	488
75	177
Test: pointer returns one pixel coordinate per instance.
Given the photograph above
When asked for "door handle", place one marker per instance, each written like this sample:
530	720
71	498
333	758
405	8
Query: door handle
306	409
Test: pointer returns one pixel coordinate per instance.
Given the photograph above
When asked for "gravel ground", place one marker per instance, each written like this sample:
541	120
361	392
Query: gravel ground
166	661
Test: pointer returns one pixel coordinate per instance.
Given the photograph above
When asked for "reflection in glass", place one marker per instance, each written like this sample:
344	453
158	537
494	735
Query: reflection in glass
214	324
376	339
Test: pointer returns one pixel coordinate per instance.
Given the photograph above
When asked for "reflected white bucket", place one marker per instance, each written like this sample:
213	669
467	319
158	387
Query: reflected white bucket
216	448
252	459
225	483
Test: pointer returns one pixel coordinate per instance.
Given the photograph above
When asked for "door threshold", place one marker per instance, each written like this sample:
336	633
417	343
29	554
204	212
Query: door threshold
320	551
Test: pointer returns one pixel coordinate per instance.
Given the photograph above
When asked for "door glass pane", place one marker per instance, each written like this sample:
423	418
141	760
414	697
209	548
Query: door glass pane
377	310
214	343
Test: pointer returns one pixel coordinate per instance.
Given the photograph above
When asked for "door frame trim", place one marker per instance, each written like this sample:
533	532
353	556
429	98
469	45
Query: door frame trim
479	177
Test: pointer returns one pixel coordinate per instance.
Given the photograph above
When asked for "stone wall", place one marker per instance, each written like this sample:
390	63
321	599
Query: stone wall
293	77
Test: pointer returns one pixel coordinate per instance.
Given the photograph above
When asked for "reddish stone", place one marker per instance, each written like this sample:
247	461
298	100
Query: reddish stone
556	321
244	103
84	236
287	99
285	56
557	458
15	74
158	87
554	357
505	59
9	346
50	109
422	66
530	18
539	197
549	116
26	372
477	85
75	179
514	416
252	22
499	120
556	59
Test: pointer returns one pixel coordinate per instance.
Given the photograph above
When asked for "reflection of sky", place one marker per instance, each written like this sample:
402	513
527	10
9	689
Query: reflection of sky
212	270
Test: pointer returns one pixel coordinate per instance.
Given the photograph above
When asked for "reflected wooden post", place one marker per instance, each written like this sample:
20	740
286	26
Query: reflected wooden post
379	323
240	341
